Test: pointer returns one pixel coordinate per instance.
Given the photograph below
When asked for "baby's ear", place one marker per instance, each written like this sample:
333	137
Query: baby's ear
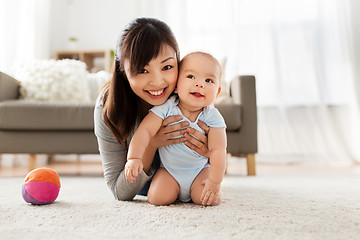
219	90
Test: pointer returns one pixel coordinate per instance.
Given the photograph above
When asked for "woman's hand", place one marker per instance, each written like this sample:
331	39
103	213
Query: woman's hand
165	135
199	145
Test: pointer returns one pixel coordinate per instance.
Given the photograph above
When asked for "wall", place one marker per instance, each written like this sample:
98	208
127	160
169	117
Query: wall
96	24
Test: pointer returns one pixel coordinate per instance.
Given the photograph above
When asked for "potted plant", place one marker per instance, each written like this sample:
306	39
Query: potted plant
73	43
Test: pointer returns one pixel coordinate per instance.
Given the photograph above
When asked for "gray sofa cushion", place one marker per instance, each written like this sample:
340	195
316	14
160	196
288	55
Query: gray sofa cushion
9	87
45	115
232	115
71	116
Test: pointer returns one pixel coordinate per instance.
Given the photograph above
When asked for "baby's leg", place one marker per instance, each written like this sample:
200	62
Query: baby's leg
164	189
197	187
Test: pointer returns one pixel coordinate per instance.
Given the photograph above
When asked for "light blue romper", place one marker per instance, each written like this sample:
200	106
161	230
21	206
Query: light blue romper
183	163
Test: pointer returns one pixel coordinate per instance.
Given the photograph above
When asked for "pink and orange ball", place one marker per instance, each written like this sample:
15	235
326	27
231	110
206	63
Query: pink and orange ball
41	186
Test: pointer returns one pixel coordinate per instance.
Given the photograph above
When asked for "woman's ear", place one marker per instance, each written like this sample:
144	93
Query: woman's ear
175	90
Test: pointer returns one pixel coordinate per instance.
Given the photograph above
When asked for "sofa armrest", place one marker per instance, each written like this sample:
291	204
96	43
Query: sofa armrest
9	87
243	92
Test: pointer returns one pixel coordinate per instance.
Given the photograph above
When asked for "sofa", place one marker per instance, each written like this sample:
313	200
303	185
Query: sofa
38	127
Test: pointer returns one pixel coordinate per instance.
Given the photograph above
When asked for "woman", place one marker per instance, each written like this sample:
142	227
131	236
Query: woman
145	75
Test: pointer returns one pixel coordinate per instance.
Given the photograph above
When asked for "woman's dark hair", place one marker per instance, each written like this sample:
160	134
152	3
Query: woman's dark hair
140	41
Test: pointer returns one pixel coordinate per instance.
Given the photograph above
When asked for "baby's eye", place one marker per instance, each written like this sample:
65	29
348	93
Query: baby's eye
167	67
190	76
209	80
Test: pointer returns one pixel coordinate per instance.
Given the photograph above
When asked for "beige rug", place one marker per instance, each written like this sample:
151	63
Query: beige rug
262	207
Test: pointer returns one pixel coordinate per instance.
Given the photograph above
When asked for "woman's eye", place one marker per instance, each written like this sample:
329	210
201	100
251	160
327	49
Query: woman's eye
167	67
142	71
190	76
209	81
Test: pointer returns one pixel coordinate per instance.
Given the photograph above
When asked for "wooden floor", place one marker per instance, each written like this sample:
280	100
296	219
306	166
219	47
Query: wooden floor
66	165
70	166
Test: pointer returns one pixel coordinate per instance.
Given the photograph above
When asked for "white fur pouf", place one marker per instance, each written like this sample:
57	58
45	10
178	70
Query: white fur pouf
53	80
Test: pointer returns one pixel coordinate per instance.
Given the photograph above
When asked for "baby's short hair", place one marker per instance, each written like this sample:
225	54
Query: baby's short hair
204	54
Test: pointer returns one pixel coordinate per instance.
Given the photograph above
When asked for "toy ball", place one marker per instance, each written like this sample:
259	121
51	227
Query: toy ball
41	186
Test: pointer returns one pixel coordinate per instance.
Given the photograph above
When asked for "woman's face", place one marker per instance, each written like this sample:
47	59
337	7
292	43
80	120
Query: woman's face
157	80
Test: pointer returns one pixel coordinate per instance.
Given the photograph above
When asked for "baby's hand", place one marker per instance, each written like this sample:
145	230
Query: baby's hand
211	192
133	168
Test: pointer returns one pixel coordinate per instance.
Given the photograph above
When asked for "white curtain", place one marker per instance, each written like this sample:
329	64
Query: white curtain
24	27
300	53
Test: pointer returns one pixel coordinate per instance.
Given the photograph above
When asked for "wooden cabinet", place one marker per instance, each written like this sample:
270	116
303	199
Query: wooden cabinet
95	60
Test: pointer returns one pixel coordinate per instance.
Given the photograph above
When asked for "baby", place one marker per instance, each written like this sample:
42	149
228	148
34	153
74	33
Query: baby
185	174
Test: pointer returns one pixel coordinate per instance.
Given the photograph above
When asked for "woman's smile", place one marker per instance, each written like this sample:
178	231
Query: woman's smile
156	93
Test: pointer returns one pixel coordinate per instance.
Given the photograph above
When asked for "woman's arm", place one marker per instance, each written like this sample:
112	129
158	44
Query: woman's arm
113	157
167	133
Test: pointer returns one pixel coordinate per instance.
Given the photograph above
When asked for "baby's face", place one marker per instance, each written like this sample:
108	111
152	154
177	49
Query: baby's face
199	81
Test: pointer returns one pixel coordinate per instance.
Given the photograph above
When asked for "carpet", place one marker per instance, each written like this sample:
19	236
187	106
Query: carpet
262	207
